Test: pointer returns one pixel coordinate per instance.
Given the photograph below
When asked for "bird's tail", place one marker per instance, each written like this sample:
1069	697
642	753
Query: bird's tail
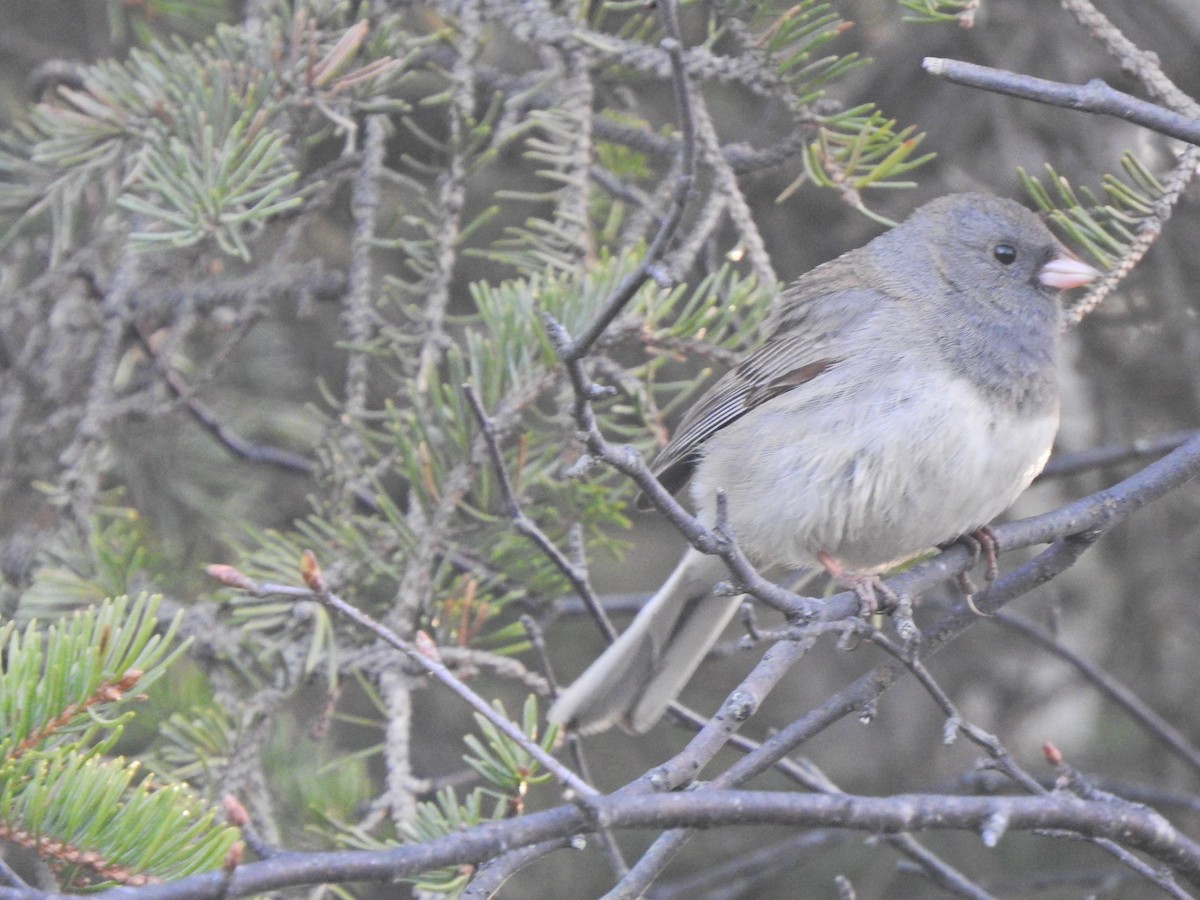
636	678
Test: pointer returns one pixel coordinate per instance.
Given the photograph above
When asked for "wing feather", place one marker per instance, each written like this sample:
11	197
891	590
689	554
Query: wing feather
812	330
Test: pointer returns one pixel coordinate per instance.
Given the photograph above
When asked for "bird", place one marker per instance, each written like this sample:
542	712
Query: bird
904	397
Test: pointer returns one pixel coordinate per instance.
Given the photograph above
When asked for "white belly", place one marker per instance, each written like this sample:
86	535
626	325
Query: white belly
871	482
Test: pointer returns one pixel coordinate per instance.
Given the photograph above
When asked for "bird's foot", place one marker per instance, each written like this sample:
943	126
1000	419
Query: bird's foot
869	589
983	545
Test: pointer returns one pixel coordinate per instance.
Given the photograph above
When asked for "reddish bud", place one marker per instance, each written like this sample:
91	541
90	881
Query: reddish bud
310	571
230	577
235	813
233	858
427	648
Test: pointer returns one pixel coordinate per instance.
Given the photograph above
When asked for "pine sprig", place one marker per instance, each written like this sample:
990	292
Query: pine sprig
447	815
117	556
791	41
854	149
1107	227
64	690
509	772
55	682
937	12
559	147
193	745
505	764
195	142
857	149
99	822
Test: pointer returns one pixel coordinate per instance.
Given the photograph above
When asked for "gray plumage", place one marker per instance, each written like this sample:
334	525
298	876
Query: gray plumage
905	396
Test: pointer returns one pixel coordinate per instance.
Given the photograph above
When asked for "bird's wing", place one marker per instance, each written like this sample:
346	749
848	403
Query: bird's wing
811	336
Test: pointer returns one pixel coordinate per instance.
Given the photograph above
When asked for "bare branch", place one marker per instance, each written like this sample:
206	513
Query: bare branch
577	575
432	665
1139	828
632	283
1062	465
1094	97
1156	725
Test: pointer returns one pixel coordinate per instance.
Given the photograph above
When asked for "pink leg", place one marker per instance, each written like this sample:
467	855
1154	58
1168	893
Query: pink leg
868	588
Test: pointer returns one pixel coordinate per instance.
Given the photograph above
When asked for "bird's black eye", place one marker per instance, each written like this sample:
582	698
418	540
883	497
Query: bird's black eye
1005	253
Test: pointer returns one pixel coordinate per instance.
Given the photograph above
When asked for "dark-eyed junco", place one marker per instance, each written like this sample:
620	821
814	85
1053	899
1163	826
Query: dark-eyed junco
905	397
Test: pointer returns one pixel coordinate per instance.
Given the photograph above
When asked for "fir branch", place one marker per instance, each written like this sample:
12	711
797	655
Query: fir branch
857	149
51	679
94	822
960	12
188	139
85	816
789	42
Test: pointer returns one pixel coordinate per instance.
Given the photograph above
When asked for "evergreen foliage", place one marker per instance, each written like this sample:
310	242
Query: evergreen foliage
65	692
500	165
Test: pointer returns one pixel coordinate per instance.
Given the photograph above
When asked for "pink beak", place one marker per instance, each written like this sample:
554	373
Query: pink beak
1065	272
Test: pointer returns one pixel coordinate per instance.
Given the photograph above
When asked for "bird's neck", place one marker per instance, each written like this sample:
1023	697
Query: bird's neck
1007	355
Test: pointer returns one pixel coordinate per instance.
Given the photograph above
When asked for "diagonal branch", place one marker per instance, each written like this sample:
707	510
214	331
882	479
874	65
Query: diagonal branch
427	658
1094	97
575	573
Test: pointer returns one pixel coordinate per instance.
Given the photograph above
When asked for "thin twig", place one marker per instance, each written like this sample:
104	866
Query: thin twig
1156	725
741	703
940	872
433	667
751	867
522	524
211	422
632	283
1064	464
575	747
1094	97
1004	761
491	876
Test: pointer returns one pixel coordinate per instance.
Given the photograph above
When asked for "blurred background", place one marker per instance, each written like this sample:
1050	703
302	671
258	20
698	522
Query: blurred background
1131	371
